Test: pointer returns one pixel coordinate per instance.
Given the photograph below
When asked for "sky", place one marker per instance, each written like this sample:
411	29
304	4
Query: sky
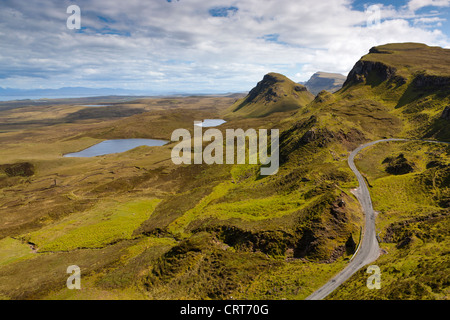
201	46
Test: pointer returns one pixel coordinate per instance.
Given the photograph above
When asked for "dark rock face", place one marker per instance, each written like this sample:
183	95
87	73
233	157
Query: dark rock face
426	81
350	245
377	50
362	69
265	85
300	88
446	113
319	136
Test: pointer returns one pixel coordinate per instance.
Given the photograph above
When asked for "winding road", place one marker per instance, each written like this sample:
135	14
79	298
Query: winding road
369	250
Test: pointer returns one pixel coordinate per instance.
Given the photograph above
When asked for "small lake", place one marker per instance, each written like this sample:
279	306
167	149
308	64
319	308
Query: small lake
210	123
115	146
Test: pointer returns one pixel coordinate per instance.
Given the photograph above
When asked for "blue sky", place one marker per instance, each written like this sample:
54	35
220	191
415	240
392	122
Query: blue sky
201	46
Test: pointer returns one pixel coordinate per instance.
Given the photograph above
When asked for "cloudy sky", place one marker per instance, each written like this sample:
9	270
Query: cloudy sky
201	45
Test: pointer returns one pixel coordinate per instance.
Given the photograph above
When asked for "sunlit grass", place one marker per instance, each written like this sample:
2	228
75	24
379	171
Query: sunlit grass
12	250
95	228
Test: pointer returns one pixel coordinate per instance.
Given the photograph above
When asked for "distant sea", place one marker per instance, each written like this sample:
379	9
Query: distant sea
13	98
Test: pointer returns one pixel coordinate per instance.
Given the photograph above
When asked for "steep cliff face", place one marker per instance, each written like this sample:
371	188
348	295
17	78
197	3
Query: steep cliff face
365	71
404	63
267	89
426	81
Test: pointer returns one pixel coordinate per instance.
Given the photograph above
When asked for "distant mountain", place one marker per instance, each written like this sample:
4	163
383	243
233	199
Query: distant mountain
275	93
331	82
69	92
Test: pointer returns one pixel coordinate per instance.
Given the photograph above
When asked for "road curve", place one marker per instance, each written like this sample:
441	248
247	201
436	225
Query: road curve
369	250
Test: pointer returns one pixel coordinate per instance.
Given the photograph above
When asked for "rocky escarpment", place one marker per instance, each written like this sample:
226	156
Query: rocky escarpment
423	80
274	93
265	89
363	69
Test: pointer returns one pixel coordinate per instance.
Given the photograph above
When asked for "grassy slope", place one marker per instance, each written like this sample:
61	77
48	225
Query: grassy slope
275	93
383	99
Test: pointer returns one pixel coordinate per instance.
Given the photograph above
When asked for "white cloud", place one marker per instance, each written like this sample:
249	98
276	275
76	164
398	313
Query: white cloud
180	46
415	5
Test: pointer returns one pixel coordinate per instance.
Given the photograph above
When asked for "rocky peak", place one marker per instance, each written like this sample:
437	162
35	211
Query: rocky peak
265	86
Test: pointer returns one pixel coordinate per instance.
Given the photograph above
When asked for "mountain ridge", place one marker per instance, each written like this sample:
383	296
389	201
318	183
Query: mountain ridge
320	81
274	93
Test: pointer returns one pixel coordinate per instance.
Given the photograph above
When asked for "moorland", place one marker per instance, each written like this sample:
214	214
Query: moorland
141	227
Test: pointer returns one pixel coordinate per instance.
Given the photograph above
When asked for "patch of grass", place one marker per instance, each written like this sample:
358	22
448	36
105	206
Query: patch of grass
121	281
294	280
410	195
401	194
34	278
95	228
180	224
12	250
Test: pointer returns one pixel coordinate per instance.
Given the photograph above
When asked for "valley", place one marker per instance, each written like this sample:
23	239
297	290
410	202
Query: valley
141	227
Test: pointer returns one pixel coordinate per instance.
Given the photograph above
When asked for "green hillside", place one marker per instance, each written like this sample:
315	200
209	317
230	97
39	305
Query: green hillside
275	93
402	91
397	90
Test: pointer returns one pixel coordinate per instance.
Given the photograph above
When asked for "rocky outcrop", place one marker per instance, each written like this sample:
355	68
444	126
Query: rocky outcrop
423	80
324	96
446	113
265	87
398	165
350	245
300	88
323	136
379	51
274	93
362	69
